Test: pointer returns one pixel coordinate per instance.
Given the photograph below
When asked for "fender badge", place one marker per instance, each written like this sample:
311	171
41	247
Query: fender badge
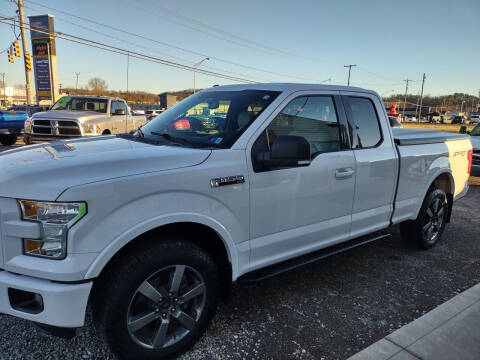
229	180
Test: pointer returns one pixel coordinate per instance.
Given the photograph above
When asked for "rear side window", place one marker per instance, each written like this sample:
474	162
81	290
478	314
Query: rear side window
366	121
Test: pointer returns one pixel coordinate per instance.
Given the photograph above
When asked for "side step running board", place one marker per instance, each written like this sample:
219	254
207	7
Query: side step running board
272	270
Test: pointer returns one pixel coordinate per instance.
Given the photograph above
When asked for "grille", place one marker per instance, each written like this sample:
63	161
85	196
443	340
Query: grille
56	128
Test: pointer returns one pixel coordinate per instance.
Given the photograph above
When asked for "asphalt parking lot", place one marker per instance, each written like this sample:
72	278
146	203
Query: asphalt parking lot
327	310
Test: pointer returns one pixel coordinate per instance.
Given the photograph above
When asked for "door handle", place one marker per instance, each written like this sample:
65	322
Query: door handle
344	173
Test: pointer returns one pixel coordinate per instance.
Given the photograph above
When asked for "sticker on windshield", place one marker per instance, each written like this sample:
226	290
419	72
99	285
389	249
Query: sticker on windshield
216	140
64	99
266	97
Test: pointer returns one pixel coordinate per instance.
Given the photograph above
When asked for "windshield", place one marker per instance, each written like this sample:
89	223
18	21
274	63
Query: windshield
475	131
81	104
210	118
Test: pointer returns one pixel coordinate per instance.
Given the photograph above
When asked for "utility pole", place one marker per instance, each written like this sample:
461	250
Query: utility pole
349	71
463	100
4	91
421	97
405	101
77	74
28	82
128	63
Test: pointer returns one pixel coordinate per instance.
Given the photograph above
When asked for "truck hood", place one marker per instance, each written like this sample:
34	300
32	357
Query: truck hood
475	142
43	172
68	114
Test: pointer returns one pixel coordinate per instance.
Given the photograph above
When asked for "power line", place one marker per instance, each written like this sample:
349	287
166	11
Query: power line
143	37
216	30
138	55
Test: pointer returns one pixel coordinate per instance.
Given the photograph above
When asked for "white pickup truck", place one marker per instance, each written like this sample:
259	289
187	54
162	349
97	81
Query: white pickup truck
82	116
235	183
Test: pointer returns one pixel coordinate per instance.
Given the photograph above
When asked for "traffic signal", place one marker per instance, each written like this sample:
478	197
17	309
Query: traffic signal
11	59
16	47
28	62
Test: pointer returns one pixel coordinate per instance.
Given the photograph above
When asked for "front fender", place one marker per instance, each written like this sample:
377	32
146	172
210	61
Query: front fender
118	243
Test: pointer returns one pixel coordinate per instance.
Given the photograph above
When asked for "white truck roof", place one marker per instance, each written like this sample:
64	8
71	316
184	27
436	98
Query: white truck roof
288	86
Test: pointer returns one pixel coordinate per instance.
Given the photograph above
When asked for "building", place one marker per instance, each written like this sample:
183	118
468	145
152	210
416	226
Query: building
167	100
12	96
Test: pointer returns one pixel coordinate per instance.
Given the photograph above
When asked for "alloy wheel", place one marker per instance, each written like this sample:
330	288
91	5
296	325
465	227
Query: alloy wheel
166	307
433	220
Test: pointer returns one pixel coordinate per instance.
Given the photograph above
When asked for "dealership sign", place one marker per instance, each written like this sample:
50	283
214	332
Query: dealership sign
44	56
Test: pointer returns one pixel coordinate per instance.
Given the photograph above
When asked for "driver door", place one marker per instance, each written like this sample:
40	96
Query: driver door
297	210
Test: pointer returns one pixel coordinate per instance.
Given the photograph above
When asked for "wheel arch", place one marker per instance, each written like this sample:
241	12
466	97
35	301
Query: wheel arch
208	235
443	180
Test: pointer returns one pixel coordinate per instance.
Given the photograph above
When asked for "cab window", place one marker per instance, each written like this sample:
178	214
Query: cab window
312	117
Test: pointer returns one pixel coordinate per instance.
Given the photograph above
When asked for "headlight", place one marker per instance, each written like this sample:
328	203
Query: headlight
55	220
28	126
90	129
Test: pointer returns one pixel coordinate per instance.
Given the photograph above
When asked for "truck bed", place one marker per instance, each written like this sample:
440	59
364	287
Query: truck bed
404	137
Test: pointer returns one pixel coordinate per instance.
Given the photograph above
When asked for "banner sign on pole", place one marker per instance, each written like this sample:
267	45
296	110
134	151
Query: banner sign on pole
44	56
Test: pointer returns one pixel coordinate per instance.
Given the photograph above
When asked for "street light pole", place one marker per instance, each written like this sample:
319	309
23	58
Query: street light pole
77	74
194	70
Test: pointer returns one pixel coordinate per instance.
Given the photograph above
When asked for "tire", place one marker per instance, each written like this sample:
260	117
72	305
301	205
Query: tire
27	140
425	231
8	140
134	311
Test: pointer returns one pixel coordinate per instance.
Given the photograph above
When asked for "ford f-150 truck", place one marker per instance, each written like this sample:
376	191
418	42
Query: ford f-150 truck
82	116
234	183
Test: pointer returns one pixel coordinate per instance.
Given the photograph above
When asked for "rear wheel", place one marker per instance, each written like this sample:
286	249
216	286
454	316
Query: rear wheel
8	140
157	302
425	231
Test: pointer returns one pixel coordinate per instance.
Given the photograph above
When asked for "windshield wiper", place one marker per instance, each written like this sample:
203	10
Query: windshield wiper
171	138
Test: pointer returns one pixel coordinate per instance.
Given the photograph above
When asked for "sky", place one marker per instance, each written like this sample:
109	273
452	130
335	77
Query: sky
265	41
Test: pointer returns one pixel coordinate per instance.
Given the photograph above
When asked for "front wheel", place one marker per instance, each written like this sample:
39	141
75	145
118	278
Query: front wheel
157	302
425	231
8	140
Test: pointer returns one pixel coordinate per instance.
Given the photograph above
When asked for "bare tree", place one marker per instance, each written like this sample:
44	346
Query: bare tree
97	85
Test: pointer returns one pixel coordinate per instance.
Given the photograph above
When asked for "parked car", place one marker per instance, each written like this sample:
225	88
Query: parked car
30	109
475	139
458	120
152	228
435	117
11	125
475	118
12	122
394	123
82	116
138	112
152	113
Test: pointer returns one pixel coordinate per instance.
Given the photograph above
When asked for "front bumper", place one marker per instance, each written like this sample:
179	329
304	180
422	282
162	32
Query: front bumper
64	304
475	170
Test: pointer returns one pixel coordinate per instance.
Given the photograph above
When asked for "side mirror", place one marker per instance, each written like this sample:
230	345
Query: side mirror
463	129
120	112
287	151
